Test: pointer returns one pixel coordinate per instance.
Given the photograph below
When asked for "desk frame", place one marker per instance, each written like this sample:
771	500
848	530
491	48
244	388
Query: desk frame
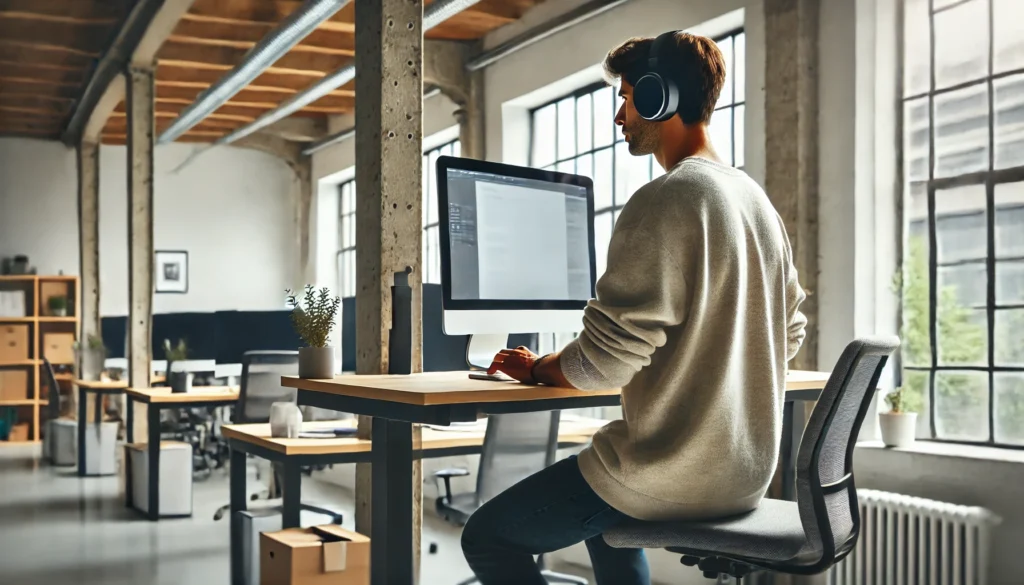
153	445
392	455
83	393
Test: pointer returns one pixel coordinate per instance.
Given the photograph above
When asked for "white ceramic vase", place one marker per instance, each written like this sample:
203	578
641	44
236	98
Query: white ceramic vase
899	429
285	420
316	363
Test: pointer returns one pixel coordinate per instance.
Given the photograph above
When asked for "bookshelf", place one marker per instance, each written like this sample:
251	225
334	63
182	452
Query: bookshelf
44	333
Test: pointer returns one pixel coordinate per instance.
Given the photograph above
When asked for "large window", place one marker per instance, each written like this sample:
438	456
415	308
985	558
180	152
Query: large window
431	237
963	257
431	244
577	134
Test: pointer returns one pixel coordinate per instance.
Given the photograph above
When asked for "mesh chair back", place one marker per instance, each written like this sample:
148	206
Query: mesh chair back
515	447
261	383
826	493
52	391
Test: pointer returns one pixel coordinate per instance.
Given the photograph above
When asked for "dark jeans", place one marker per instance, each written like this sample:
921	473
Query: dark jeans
546	512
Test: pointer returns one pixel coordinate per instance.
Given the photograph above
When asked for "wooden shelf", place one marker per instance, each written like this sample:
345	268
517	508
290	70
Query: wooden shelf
58	277
21	363
17	277
64	377
17	319
23	402
58	319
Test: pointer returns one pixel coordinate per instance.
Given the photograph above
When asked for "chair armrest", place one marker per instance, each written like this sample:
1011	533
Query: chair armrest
447	475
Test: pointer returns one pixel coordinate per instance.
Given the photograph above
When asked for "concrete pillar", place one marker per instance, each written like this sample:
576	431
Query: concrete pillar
791	142
89	243
141	128
389	150
444	66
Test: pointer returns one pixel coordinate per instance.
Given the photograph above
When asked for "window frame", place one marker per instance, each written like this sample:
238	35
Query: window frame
350	184
989	179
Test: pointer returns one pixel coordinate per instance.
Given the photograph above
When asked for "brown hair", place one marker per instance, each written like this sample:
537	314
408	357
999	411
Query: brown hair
694	62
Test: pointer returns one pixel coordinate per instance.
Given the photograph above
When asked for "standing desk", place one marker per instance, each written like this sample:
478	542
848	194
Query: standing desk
157	399
100	389
396	402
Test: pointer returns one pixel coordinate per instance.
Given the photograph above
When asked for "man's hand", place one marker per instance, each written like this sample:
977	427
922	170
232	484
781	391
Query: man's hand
517	363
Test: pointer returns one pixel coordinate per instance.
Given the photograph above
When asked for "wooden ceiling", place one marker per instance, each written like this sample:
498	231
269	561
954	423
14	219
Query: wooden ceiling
214	36
48	49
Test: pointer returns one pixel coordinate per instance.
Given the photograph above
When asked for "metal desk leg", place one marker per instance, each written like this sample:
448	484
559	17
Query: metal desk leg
153	415
237	505
292	496
129	494
391	554
81	430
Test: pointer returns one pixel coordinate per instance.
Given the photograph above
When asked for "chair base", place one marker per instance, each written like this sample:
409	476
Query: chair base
717	567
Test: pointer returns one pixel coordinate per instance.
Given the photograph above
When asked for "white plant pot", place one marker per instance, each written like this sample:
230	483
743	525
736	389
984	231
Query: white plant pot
898	429
316	363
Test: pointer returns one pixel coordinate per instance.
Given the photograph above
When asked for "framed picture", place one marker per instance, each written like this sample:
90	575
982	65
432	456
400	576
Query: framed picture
171	271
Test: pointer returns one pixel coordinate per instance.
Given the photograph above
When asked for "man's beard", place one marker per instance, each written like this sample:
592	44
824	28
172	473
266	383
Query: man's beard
643	138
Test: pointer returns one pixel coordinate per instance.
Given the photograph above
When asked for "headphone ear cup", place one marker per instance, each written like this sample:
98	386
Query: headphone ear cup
652	96
671	100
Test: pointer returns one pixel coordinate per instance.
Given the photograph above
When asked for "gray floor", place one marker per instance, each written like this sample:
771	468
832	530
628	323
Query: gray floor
58	528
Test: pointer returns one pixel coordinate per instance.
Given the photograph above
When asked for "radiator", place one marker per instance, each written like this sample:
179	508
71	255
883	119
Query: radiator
914	541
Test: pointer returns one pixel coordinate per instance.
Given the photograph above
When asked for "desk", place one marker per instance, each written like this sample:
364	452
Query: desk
156	400
100	389
292	454
443	398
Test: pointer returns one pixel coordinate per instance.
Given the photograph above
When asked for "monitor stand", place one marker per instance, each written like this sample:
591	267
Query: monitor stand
483	347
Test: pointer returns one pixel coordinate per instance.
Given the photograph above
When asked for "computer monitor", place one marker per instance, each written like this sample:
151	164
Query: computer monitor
517	251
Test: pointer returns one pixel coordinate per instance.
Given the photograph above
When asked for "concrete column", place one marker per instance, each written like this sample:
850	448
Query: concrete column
471	118
791	142
141	128
444	66
389	147
89	243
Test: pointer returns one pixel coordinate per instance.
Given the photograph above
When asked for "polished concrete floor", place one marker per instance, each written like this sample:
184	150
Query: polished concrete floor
58	528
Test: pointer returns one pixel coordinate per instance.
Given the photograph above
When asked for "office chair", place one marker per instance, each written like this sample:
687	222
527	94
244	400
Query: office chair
53	418
260	388
515	447
803	537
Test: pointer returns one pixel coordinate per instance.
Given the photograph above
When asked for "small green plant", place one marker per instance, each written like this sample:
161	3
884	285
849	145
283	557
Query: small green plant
175	353
314	318
93	343
895	401
57	304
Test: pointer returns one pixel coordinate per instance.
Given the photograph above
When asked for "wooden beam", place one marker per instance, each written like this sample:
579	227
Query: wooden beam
8	95
279	84
225	120
245	37
105	10
37	65
37	46
70	37
48	112
34	81
219	68
264	11
20	53
251	97
9	14
225	58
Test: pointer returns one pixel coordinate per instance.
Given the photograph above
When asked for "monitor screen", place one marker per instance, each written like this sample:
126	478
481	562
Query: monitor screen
515	234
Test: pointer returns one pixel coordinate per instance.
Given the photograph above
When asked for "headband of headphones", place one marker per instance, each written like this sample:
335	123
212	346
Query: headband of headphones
651	64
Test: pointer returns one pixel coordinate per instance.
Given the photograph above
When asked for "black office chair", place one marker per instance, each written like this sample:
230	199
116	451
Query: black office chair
515	447
53	418
803	537
260	388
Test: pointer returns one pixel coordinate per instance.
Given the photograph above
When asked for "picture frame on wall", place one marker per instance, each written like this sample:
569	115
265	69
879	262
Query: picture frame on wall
171	271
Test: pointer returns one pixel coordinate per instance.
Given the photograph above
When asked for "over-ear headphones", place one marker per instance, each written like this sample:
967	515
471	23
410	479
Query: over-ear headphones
656	93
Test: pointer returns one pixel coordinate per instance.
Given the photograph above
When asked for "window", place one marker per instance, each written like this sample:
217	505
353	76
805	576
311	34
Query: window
347	239
577	134
963	205
431	243
431	237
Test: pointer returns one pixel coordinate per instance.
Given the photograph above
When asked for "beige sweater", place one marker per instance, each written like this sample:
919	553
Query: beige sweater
695	318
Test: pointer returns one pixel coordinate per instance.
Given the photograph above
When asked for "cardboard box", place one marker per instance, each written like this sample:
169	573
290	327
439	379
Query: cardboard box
14	384
14	343
59	348
321	555
19	432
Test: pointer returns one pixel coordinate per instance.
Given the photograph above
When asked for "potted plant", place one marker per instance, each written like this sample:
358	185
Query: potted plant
58	306
179	381
91	358
313	320
898	426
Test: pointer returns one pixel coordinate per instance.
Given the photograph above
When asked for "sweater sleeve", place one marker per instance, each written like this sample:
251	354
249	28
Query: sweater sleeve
643	292
796	321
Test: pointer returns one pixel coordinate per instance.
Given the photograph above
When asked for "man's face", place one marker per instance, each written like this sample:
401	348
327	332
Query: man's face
641	135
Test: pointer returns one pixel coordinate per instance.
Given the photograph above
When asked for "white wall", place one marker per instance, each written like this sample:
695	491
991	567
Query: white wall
230	209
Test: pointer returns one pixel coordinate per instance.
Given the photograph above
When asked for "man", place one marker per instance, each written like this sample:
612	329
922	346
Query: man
695	319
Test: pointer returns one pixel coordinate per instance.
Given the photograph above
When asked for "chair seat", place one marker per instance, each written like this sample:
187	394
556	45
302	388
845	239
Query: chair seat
772	532
459	509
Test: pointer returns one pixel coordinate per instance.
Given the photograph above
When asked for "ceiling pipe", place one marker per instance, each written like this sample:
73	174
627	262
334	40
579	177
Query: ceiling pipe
433	15
554	26
347	133
295	27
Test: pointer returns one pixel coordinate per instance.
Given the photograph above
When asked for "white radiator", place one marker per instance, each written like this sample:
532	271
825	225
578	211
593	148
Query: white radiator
914	541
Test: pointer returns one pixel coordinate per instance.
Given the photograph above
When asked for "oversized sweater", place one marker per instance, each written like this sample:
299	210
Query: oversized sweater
695	319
